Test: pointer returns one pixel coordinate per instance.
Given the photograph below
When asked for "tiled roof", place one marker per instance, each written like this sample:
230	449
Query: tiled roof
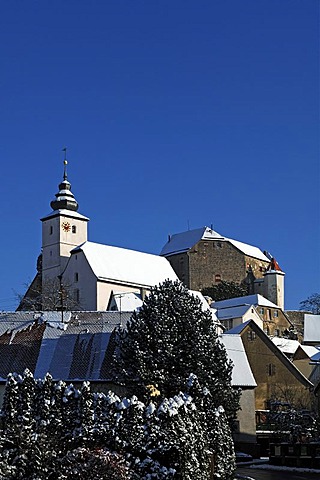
76	350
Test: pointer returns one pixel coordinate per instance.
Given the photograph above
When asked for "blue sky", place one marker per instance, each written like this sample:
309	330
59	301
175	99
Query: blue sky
176	114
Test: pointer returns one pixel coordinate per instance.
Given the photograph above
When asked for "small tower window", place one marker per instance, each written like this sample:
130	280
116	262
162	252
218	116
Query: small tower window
74	229
217	278
76	277
51	229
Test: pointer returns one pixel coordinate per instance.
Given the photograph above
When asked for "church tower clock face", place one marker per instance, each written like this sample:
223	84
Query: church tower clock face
66	227
62	230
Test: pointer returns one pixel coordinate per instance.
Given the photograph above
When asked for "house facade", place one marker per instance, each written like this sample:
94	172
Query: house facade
276	376
267	315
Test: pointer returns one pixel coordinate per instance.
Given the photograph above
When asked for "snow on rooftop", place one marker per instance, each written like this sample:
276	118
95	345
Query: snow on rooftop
238	328
127	301
242	375
311	351
311	328
286	345
181	242
232	312
249	250
256	300
128	266
65	213
204	304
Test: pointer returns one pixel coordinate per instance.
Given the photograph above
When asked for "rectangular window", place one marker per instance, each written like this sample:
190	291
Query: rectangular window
261	310
51	229
217	278
77	295
76	277
276	313
251	335
271	369
74	229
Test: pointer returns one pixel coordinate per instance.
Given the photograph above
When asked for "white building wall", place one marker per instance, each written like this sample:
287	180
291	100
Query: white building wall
79	277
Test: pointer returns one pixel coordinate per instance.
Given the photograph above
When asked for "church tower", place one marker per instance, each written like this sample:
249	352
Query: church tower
62	230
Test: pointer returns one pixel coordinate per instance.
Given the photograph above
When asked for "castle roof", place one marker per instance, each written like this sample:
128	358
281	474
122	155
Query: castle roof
122	265
182	242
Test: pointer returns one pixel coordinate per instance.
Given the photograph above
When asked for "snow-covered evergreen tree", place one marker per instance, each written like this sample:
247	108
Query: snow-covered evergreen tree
169	339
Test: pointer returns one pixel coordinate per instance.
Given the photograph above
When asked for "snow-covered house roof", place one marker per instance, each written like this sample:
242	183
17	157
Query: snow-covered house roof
239	329
122	265
286	345
312	352
232	312
182	242
311	328
242	375
125	301
77	349
256	300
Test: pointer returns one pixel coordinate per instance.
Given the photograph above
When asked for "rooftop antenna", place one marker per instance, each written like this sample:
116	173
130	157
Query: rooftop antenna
65	163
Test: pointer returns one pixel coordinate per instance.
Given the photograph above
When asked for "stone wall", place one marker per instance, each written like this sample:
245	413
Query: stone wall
211	261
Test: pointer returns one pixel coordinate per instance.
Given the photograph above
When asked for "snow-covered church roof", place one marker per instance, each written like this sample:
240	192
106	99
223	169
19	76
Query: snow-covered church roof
110	263
182	242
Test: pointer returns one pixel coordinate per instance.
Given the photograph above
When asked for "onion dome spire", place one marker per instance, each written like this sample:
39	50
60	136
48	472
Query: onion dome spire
64	198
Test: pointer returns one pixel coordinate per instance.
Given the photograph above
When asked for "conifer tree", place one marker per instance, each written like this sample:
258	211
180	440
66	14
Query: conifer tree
171	346
170	338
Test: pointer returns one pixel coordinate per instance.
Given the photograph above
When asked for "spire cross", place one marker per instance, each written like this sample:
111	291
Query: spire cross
65	176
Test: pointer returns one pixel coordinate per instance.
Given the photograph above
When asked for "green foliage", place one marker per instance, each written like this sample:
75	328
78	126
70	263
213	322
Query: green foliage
170	338
51	430
225	290
171	345
311	304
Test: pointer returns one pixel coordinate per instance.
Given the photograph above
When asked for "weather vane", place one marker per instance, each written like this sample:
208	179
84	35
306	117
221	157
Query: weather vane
65	162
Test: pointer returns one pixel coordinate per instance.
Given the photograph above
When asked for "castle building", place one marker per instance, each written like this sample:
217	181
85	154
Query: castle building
202	258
